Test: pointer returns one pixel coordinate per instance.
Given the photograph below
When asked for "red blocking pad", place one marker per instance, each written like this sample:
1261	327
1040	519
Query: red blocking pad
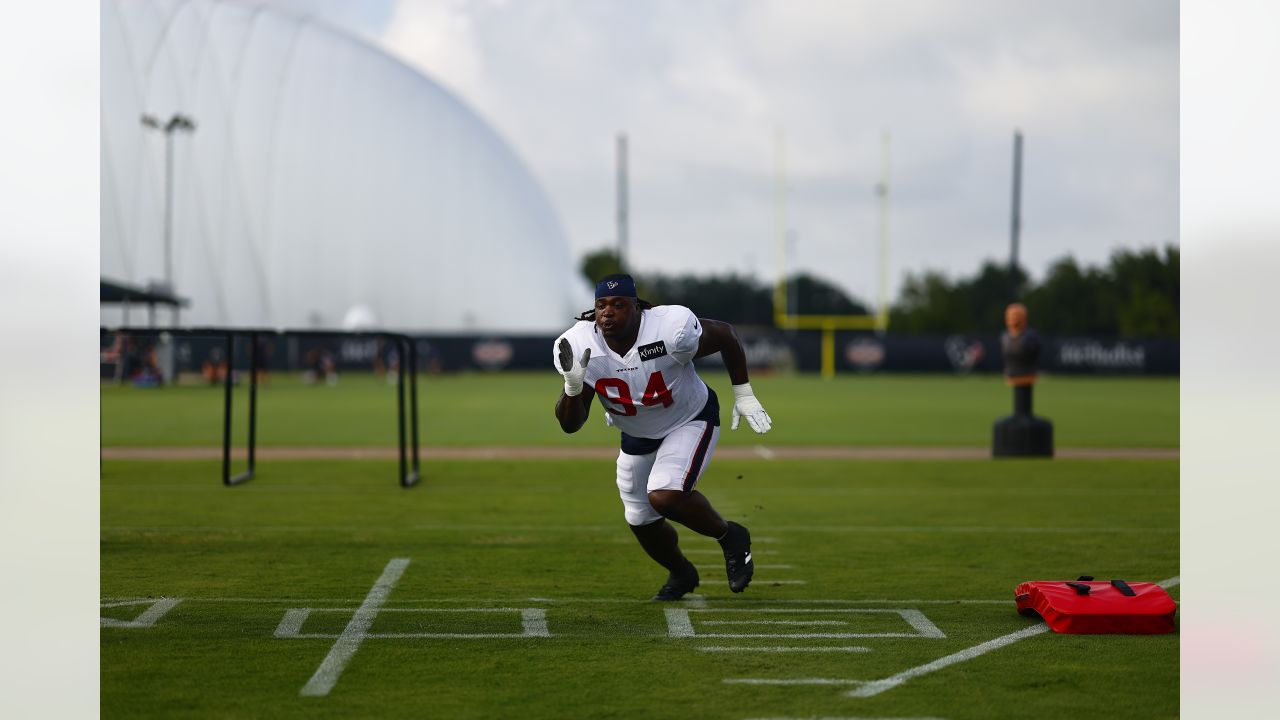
1094	607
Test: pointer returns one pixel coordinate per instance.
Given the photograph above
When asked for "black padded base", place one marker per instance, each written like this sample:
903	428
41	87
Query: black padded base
1022	436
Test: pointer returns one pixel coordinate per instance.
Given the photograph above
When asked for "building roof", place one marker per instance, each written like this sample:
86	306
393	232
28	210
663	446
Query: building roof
112	292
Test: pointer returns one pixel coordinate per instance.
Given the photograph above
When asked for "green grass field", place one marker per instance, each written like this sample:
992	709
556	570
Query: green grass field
513	589
516	409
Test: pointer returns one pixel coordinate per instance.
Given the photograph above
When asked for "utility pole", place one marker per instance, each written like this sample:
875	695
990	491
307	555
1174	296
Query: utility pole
1015	228
882	194
177	123
622	202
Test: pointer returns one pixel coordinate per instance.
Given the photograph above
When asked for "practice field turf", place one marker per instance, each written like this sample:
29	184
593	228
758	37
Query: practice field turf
484	409
514	590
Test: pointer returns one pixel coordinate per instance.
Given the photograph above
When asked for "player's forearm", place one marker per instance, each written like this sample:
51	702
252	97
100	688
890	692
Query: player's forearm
571	413
734	356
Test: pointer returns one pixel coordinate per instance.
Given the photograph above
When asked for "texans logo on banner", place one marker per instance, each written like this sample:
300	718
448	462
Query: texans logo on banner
963	352
864	353
653	351
492	354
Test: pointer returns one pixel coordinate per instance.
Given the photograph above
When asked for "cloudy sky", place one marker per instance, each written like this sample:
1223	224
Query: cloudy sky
703	90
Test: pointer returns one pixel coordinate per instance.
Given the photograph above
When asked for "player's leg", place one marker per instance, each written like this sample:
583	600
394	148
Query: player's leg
657	537
693	510
680	463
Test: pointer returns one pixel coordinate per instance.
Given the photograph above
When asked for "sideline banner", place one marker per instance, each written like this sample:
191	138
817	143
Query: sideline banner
765	349
962	354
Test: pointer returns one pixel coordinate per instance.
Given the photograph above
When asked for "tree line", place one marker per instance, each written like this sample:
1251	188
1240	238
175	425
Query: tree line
1136	294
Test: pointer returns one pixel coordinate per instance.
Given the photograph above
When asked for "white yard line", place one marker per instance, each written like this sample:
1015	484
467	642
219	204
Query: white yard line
147	618
875	687
349	641
680	623
759	566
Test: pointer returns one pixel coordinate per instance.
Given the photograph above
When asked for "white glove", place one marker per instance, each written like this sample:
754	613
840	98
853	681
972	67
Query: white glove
573	370
745	404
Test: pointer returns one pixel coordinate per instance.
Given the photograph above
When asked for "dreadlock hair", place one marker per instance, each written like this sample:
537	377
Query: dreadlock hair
590	315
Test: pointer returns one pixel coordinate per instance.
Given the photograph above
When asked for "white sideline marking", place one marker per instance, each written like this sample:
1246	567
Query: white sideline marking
781	649
680	623
875	687
765	452
349	641
146	619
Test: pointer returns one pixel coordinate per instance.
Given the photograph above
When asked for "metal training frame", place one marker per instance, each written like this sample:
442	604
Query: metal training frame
409	477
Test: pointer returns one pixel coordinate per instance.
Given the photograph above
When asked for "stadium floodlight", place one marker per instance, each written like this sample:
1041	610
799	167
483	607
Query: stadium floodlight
176	123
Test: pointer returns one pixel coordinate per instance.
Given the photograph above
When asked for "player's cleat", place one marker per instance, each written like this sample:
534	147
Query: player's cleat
737	557
678	584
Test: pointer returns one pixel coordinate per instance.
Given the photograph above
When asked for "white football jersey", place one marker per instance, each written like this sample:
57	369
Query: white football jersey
654	388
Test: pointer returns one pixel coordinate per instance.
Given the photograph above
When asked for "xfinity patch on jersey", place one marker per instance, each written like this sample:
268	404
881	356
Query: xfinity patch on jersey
652	351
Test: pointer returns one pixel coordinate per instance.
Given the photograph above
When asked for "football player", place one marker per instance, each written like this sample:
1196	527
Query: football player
637	358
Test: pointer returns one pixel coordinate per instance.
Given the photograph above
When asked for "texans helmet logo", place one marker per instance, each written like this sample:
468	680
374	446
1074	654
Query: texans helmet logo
612	284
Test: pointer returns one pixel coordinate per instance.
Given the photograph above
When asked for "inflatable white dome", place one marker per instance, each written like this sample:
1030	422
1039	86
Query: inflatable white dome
321	174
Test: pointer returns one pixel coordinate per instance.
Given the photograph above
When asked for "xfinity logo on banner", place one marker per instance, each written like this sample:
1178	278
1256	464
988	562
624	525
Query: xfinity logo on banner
1091	353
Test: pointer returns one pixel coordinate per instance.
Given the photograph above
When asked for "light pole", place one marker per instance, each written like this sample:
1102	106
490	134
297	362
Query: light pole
175	123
